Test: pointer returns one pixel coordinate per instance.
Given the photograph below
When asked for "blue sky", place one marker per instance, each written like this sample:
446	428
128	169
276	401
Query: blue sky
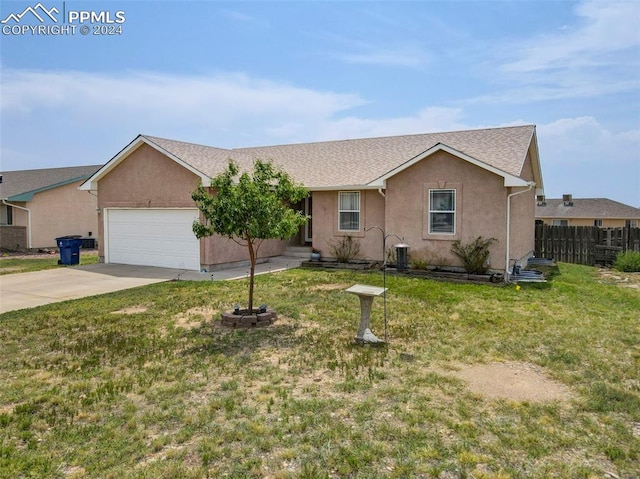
234	74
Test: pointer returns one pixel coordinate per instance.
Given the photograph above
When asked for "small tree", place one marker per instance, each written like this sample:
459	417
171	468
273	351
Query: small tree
248	211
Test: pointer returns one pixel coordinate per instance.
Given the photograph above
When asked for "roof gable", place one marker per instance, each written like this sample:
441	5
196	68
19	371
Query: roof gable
158	144
509	179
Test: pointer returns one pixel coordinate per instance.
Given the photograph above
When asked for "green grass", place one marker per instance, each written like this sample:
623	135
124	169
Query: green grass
9	265
142	384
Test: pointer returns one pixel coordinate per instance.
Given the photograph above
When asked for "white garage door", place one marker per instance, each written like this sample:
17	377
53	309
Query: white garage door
152	237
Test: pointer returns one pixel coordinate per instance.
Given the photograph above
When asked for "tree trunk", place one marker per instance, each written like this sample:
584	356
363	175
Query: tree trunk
252	270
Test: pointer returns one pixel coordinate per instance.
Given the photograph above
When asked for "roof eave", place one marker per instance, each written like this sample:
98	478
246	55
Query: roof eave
343	188
535	160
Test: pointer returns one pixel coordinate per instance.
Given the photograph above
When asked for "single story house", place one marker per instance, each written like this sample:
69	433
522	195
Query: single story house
600	212
38	206
429	189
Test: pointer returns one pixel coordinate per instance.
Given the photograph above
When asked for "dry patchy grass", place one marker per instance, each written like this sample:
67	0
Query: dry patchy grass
154	387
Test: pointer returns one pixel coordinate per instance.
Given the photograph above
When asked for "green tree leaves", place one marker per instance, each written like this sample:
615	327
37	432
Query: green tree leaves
250	209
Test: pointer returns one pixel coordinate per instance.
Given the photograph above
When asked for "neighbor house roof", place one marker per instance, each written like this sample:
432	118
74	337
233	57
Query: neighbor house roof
23	184
365	162
597	208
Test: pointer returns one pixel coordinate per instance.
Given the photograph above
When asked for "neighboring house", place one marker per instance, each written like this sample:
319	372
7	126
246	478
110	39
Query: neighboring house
38	206
430	189
601	212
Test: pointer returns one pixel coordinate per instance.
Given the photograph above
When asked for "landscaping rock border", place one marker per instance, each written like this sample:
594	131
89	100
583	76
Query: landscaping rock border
247	320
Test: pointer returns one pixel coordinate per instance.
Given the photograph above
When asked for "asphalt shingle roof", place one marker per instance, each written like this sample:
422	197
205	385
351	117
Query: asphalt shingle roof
24	181
587	208
360	161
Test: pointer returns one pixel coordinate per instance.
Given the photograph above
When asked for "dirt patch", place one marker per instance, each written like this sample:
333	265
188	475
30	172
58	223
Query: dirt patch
626	280
194	317
513	381
131	310
330	287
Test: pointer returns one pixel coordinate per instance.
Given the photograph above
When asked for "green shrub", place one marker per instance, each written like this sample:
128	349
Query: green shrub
474	255
345	249
419	259
629	261
419	263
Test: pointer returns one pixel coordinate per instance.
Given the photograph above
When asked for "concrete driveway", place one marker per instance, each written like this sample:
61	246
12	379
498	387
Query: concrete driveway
28	290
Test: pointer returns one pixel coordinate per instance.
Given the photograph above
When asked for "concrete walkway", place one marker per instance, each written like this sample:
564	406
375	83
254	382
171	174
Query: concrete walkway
28	290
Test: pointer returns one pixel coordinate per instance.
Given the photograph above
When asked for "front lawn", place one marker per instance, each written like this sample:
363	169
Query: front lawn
25	264
142	384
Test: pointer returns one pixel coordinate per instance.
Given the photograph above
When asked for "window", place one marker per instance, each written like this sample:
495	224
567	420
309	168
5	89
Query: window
6	215
631	223
560	223
597	223
349	211
442	211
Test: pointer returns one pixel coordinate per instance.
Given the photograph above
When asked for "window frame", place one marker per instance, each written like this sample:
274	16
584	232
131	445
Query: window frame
358	211
8	213
432	211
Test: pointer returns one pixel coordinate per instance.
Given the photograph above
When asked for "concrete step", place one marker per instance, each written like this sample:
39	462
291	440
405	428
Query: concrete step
297	252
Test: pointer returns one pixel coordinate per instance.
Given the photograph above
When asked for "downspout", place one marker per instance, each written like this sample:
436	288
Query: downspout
28	219
508	245
384	199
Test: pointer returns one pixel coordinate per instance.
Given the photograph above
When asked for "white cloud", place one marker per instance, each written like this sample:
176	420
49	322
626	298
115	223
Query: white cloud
608	27
226	110
581	157
583	140
221	95
430	119
241	17
596	56
401	56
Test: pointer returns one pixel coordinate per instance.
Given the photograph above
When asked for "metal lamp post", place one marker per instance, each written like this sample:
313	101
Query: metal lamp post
384	268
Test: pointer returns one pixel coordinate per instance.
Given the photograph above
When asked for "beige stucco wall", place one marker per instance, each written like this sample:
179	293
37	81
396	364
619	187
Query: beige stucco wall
149	179
480	207
60	211
325	223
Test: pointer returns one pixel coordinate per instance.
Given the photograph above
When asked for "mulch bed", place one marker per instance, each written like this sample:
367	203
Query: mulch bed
432	274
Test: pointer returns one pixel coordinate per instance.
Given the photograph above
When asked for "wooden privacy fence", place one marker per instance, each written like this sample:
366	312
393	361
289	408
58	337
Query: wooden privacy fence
587	245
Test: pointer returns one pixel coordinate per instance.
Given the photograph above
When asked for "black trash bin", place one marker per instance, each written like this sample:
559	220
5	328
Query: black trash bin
69	247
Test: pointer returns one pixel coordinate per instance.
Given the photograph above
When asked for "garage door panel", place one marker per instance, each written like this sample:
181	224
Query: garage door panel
153	237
